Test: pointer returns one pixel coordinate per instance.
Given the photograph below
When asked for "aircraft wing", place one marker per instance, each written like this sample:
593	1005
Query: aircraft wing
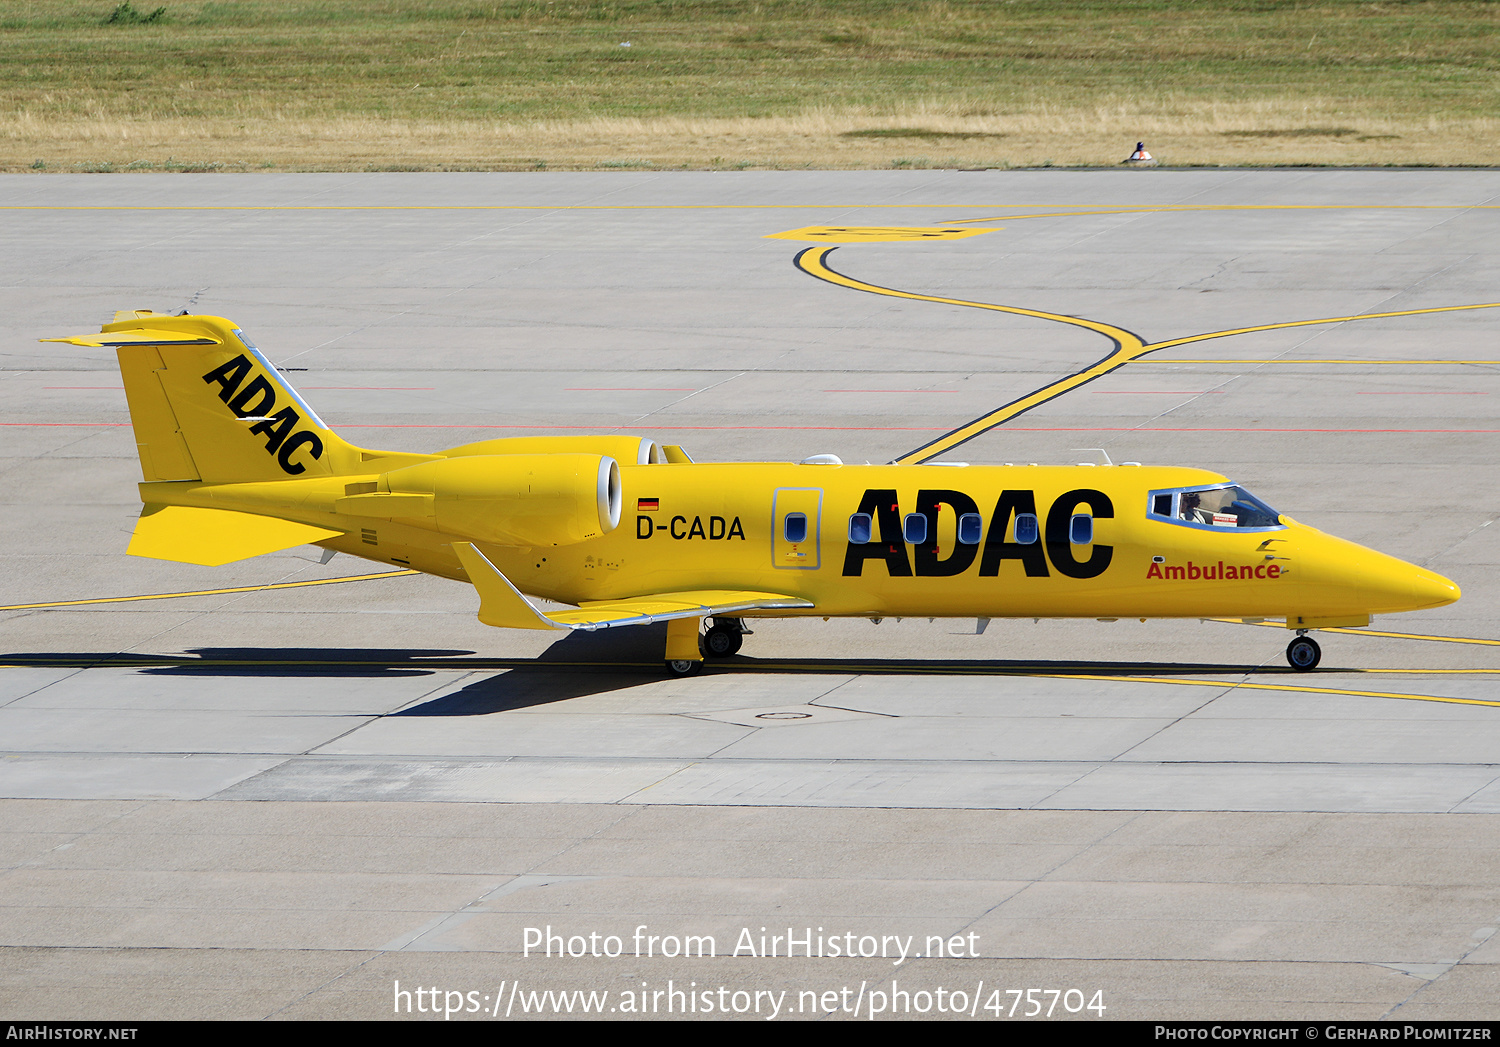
501	603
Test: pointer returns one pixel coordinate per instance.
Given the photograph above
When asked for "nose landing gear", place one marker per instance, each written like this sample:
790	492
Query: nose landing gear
1303	653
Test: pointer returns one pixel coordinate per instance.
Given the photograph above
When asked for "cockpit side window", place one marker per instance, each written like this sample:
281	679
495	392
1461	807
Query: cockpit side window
1226	506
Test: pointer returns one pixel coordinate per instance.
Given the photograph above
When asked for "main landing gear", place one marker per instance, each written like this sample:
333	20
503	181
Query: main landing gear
1303	653
686	649
724	637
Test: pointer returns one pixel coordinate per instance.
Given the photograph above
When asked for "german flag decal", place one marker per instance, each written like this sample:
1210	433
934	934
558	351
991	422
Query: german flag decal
647	505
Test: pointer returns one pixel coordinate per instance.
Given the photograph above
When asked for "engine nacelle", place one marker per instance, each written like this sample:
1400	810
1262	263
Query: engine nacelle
517	499
636	450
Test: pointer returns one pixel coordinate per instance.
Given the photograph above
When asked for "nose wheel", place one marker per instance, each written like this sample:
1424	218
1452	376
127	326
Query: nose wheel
1303	654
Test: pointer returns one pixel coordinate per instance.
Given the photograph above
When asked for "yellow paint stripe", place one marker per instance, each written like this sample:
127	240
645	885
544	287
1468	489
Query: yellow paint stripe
811	261
1128	346
498	207
1144	209
1303	689
873	234
1377	632
1178	208
209	592
1175	681
1427	672
1283	360
1418	636
751	207
1326	320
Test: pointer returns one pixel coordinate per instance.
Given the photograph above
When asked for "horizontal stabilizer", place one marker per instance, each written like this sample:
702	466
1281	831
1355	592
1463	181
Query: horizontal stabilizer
118	338
215	536
501	603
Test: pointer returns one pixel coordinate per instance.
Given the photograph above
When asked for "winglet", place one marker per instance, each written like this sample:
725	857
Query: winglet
500	603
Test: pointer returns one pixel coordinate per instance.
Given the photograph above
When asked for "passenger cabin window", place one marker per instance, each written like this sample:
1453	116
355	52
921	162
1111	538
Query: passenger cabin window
1027	531
1081	529
970	528
1227	506
859	529
795	527
914	528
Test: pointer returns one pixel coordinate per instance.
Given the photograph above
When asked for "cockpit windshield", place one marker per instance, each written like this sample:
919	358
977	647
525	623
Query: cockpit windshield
1219	505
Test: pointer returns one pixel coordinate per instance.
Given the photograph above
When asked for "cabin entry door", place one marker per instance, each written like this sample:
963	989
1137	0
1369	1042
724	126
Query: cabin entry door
796	528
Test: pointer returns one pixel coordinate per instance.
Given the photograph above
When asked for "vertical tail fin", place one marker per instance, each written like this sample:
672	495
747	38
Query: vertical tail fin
207	405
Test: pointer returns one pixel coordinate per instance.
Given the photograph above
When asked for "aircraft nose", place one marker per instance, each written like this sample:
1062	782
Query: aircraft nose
1367	580
1430	589
1406	587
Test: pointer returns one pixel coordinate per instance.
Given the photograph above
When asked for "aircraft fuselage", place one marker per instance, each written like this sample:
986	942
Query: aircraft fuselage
691	526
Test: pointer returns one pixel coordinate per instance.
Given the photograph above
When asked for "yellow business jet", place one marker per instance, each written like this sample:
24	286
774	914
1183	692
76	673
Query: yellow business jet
236	464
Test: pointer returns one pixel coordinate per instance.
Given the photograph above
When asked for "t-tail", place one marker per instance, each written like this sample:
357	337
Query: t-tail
236	464
207	405
215	422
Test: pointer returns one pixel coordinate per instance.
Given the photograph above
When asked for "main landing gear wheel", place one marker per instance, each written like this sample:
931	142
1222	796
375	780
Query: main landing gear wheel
1303	654
724	639
684	667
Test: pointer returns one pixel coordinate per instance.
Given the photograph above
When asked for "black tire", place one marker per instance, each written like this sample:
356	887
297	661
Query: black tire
721	642
683	667
1303	654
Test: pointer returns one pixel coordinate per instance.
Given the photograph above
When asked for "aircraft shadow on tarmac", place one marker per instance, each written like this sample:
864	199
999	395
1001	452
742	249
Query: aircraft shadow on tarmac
576	666
252	661
524	689
539	684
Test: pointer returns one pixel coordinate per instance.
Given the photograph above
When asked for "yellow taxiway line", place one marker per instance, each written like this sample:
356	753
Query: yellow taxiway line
1376	632
502	207
1144	209
208	592
1186	208
1286	360
1251	685
1128	346
1154	346
1417	636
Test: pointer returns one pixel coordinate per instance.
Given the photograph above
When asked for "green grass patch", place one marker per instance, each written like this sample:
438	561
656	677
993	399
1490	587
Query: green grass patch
528	59
125	14
282	71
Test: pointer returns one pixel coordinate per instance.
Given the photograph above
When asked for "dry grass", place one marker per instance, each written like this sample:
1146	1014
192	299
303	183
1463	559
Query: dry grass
1249	134
428	84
